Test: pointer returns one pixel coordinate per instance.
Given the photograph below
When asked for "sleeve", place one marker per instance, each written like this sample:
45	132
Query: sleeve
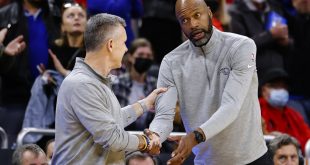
165	103
236	89
129	115
91	108
237	26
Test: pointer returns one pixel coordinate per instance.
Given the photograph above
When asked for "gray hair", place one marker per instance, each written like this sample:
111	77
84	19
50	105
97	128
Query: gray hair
99	29
139	156
18	153
282	140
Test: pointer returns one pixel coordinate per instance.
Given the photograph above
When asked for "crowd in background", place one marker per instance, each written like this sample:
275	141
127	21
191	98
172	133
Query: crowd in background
40	39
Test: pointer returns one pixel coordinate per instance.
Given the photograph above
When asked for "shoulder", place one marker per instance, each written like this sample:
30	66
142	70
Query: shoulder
178	52
236	41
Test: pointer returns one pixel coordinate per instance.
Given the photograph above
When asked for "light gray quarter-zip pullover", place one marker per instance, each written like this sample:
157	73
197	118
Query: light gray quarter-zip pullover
90	121
217	87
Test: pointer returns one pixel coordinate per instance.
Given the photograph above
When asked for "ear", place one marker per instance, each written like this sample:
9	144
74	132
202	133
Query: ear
210	12
110	45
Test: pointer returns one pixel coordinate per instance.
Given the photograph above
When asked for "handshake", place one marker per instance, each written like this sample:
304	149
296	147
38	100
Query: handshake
149	142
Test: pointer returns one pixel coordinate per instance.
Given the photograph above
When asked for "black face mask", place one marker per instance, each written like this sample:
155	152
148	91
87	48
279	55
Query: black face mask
142	65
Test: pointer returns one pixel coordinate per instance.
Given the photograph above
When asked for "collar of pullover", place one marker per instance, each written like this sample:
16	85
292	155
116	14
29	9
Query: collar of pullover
206	49
80	64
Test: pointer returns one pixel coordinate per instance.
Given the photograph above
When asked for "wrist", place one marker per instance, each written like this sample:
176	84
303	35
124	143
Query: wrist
143	143
143	105
199	135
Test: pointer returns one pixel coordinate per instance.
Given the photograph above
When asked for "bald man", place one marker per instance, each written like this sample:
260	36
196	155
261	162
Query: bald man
213	75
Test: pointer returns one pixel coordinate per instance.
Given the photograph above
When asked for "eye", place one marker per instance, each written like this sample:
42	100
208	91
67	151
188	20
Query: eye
184	21
70	15
197	15
81	15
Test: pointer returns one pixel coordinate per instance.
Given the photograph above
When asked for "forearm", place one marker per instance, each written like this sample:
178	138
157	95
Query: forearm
165	111
131	113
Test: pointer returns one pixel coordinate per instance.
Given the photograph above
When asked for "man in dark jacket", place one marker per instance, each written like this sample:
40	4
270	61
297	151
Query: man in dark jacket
298	61
250	18
33	20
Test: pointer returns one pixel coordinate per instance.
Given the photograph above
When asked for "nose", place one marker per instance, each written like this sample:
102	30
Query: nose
193	23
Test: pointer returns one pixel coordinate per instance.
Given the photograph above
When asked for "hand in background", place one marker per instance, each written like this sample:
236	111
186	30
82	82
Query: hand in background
15	46
57	64
3	34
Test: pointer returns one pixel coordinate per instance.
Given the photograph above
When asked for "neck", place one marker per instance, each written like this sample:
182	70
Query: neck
31	9
75	40
95	61
136	76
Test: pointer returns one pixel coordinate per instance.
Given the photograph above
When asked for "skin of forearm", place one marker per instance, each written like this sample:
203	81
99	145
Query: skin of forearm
138	109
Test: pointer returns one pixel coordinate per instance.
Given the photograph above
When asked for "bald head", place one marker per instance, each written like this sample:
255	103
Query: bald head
194	17
181	4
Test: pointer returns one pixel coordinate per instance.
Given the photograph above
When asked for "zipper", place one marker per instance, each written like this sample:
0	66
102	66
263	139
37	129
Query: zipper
205	63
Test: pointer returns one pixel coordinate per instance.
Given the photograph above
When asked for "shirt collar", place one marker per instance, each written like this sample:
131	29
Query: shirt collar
35	15
80	64
209	46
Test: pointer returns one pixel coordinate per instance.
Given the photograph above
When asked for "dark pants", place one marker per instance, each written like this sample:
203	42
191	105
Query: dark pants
263	160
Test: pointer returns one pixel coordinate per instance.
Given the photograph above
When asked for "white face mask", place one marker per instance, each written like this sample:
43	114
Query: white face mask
278	97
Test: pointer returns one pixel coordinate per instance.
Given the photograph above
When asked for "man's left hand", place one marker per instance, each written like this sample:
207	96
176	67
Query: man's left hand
184	149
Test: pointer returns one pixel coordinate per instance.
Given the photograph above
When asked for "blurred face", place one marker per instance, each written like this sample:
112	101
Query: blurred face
195	19
141	59
268	87
147	161
50	149
302	6
286	155
119	47
74	20
30	158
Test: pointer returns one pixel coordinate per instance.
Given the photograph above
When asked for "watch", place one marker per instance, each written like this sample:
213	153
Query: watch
199	137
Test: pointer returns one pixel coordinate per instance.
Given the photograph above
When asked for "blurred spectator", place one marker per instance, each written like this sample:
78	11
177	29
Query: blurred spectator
29	154
160	27
49	149
259	20
284	150
40	109
136	84
127	9
140	159
277	115
299	59
220	17
34	20
70	45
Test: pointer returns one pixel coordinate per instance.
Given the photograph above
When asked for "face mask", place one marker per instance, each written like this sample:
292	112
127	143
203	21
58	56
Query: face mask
142	64
278	97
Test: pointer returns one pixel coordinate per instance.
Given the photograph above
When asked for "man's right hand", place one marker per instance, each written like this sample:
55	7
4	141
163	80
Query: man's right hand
279	31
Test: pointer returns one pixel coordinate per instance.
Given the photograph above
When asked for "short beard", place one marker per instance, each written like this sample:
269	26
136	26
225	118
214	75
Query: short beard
206	38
